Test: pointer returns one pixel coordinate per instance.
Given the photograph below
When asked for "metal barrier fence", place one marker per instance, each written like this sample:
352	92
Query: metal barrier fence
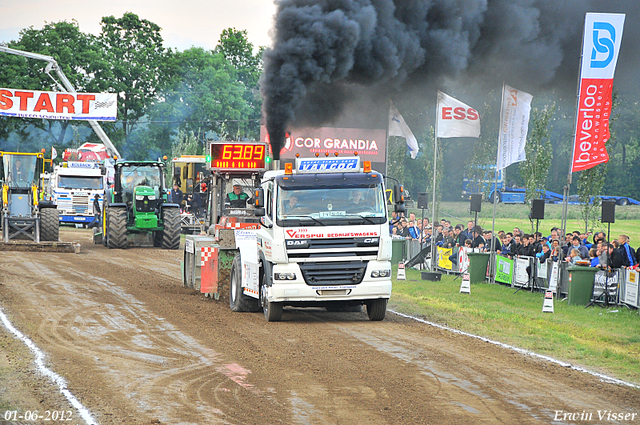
528	273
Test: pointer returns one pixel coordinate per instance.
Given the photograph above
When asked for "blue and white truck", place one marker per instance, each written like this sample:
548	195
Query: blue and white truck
74	186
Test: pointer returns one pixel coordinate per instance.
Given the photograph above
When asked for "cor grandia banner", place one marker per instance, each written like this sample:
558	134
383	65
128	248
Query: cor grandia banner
58	106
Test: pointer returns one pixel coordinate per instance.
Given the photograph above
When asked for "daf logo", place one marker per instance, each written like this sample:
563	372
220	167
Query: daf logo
296	243
371	240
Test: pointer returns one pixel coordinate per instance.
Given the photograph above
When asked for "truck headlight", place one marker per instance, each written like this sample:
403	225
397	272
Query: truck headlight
381	273
139	197
284	276
152	197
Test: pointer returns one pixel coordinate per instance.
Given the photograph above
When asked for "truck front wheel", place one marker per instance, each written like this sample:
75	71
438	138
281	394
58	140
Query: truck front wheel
272	311
376	309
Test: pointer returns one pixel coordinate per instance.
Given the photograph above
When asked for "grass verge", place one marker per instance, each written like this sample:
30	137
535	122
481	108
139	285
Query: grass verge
602	340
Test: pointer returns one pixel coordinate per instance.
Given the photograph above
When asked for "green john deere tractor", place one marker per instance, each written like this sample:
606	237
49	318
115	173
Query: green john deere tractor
25	214
137	203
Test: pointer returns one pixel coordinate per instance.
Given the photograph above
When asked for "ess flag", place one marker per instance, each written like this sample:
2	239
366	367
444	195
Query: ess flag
397	127
516	107
58	106
455	119
600	48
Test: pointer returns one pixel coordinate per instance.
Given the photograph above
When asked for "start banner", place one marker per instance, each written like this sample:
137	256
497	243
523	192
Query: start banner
58	106
600	49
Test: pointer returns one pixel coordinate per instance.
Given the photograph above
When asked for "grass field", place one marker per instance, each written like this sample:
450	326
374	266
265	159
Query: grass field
603	340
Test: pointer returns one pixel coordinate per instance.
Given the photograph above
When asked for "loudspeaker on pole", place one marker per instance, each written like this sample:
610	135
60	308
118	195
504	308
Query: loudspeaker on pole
537	209
476	203
423	199
608	211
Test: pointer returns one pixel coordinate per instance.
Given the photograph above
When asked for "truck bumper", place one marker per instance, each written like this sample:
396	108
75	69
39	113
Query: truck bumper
298	291
76	218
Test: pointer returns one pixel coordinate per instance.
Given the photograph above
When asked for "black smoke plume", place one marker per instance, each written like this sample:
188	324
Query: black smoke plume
325	52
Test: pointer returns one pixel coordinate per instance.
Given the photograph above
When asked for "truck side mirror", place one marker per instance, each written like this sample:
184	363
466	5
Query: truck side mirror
398	199
398	194
258	202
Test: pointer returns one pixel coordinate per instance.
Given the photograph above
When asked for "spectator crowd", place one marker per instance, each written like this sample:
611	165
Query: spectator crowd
576	247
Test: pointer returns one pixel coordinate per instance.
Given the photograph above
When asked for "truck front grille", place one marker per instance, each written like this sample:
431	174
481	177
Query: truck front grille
333	273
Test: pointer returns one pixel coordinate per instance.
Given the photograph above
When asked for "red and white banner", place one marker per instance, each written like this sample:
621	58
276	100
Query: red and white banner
600	49
58	106
514	125
456	119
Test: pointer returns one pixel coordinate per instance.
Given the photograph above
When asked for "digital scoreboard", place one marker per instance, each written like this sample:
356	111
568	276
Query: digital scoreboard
238	156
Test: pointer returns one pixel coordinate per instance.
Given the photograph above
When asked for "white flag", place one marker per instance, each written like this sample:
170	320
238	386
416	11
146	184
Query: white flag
54	153
516	106
455	119
397	127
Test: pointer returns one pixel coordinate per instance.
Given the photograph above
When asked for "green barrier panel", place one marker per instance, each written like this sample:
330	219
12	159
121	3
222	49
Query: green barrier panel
478	262
397	251
580	284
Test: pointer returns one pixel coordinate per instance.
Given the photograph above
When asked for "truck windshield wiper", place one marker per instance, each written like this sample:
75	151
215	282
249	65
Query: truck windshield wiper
368	219
298	217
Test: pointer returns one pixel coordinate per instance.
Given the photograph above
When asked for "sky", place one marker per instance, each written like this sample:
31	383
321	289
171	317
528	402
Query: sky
184	23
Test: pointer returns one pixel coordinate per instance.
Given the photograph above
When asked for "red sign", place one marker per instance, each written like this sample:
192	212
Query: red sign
592	129
370	144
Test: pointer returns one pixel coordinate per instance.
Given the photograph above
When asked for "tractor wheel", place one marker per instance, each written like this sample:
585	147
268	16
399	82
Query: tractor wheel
49	224
157	239
171	233
376	309
117	228
238	301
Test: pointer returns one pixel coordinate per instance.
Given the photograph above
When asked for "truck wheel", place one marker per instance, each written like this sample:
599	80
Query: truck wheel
496	197
238	301
171	233
623	201
376	309
272	311
117	228
49	224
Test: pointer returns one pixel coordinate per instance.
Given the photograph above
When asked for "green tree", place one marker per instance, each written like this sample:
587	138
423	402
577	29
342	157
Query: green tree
538	152
133	66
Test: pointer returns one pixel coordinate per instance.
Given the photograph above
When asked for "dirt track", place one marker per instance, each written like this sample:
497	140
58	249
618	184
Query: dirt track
136	347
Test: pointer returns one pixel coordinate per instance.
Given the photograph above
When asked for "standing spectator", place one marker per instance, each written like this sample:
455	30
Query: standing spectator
460	236
507	245
582	250
478	238
175	195
555	250
469	232
414	232
614	260
574	256
626	252
593	256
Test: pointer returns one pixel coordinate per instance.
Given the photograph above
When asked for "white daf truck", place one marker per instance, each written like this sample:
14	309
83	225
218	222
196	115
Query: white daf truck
74	187
323	241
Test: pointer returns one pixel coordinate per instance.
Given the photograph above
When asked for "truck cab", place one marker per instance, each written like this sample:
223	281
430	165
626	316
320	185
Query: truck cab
324	239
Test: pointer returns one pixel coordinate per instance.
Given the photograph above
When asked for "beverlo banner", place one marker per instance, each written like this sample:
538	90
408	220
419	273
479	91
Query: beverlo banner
600	48
514	125
58	106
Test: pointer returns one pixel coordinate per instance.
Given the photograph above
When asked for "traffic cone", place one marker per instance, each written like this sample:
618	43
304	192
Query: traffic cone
401	274
547	307
465	287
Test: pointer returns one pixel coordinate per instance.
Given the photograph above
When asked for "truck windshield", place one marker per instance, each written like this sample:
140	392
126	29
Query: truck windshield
331	206
19	170
76	182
